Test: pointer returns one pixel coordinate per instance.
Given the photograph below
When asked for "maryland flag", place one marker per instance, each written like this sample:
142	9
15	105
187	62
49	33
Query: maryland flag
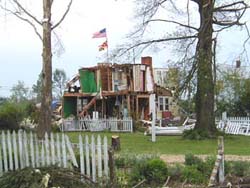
103	46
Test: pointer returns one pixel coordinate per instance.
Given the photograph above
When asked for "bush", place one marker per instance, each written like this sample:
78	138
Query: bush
10	116
203	167
192	175
206	167
153	170
240	168
190	160
120	162
32	112
175	171
195	134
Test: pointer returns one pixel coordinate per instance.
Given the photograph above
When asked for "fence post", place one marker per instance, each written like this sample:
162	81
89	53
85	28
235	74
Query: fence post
26	149
58	150
64	154
42	154
82	169
93	158
4	152
99	155
52	146
10	151
20	143
71	152
111	167
32	152
105	155
219	165
221	152
47	153
37	152
87	155
15	150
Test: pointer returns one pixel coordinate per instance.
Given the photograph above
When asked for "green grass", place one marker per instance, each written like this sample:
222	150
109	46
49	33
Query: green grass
137	143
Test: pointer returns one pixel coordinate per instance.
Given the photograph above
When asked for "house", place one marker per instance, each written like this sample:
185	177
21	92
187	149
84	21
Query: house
115	90
167	80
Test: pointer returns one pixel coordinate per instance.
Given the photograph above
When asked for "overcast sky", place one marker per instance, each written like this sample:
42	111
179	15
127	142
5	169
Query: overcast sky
20	48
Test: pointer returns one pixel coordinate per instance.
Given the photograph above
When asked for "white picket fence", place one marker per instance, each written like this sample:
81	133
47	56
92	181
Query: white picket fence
235	125
111	124
21	149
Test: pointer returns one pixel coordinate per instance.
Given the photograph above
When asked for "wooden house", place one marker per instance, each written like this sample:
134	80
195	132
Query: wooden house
113	90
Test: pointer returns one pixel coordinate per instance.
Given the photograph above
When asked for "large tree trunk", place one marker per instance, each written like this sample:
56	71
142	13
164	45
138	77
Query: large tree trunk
45	117
205	83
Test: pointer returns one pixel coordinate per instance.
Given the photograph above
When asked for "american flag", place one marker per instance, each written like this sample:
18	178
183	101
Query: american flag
100	34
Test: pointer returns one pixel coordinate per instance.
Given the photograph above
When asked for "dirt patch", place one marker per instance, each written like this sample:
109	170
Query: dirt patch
170	159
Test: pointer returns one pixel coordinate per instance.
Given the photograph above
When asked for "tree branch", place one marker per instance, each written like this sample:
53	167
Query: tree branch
228	23
223	8
24	19
64	15
171	21
26	12
235	20
163	40
188	78
150	42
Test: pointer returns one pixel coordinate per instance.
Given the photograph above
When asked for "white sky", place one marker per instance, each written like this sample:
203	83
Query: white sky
20	48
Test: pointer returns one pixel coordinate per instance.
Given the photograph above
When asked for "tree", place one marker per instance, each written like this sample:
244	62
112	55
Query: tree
19	93
59	82
232	91
18	9
196	41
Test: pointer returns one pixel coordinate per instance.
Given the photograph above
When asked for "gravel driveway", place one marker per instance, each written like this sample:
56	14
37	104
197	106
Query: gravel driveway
181	158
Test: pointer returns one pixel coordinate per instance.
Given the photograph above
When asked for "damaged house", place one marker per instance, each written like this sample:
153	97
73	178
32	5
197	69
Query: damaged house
114	90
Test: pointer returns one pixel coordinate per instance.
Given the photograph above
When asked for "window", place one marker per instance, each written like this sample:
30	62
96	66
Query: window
163	103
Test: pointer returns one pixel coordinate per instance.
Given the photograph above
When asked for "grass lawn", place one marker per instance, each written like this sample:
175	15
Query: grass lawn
137	143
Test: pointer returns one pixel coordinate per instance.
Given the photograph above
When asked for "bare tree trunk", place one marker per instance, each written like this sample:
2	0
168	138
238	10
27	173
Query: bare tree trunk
45	117
205	84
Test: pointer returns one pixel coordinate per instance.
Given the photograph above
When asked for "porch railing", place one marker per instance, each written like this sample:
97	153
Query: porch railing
111	124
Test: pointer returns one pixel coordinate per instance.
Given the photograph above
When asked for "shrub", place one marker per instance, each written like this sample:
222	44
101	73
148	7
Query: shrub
203	167
240	168
10	116
175	171
137	171
32	112
190	159
206	167
192	175
195	134
155	171
120	162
